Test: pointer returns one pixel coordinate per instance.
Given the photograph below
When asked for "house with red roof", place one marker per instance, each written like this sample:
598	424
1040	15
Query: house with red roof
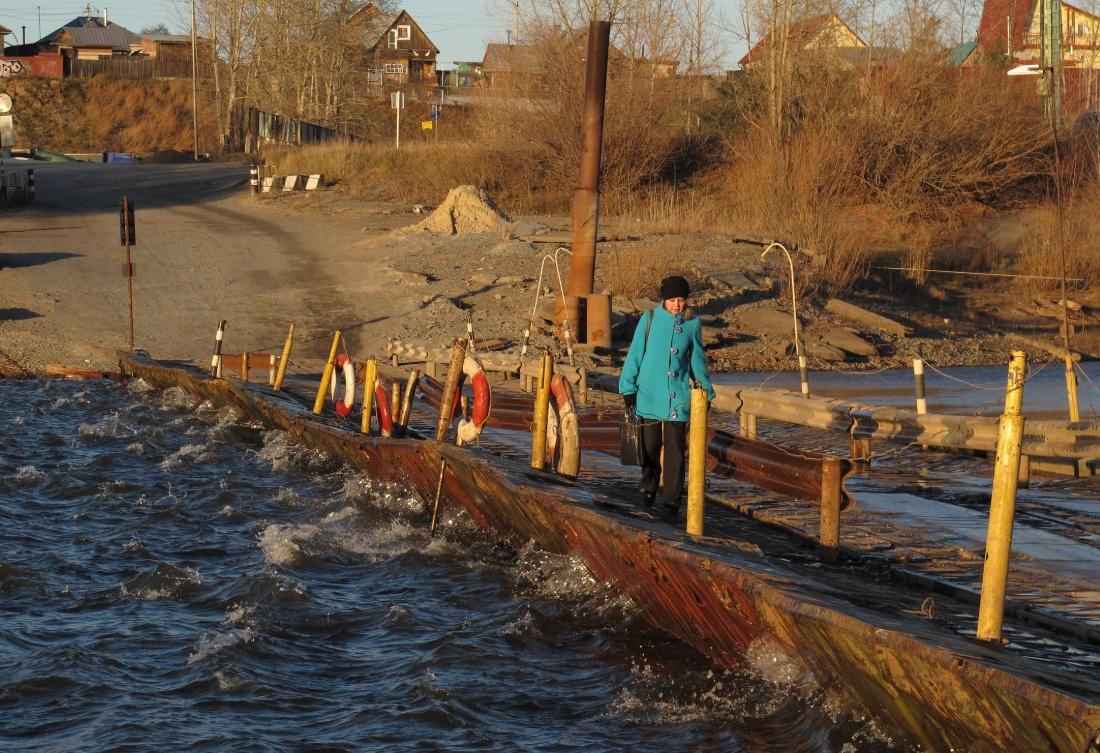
1014	28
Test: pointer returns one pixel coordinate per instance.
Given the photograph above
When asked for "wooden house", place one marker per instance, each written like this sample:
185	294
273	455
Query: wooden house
90	37
826	35
1014	28
398	52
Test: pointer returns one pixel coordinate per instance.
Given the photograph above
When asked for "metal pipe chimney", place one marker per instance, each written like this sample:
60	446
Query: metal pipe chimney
586	199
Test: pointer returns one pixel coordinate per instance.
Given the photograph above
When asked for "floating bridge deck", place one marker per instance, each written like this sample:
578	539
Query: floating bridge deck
888	628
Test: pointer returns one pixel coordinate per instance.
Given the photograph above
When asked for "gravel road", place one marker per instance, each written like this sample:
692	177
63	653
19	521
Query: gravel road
205	251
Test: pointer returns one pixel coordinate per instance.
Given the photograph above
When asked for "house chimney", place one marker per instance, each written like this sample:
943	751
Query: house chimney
105	17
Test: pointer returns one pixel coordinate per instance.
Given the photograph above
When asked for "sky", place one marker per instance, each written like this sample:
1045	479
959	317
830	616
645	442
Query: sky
460	28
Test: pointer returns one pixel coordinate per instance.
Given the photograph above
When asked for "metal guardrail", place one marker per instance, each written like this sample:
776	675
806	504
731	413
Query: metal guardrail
1043	439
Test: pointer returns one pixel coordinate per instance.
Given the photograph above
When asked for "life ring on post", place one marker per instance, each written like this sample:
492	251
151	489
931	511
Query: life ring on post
568	440
470	429
345	404
382	405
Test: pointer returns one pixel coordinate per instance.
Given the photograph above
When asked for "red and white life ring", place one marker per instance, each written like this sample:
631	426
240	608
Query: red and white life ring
470	430
344	405
382	406
563	430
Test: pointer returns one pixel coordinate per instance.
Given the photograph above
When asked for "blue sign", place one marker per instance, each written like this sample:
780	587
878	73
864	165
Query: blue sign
436	112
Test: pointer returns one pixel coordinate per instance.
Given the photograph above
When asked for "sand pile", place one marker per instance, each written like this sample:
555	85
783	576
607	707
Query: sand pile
467	209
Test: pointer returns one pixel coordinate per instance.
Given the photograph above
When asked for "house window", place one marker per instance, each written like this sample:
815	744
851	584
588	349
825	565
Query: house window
396	68
391	39
404	33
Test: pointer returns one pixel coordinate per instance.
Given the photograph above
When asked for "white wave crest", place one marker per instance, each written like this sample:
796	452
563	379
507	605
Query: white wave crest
110	427
341	532
214	642
189	453
28	473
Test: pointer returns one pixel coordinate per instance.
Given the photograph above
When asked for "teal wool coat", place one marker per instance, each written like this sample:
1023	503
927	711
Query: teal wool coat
662	377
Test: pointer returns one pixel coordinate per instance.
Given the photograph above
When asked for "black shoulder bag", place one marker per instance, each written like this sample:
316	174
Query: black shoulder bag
630	430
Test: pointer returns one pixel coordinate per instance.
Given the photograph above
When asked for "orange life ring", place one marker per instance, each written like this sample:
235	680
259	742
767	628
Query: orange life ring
382	405
344	405
567	439
470	430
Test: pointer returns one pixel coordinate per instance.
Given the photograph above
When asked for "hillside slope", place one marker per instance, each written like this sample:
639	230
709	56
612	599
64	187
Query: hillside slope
102	114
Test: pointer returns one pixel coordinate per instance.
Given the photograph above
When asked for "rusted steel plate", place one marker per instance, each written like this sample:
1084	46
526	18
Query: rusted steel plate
796	473
918	681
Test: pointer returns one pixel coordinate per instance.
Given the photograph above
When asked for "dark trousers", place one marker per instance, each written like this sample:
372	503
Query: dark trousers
672	436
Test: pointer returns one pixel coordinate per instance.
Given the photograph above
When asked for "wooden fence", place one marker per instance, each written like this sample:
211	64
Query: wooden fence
137	68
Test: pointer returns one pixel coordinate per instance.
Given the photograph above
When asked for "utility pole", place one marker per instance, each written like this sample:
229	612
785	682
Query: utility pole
194	83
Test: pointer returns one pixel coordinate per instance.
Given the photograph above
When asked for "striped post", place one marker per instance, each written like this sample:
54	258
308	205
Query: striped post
918	379
30	185
216	361
253	179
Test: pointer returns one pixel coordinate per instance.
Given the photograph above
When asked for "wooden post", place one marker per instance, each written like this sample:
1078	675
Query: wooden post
431	368
271	361
406	404
395	406
748	425
370	377
1024	480
284	359
831	480
542	412
438	494
454	375
1002	508
326	375
697	462
582	385
244	366
1071	390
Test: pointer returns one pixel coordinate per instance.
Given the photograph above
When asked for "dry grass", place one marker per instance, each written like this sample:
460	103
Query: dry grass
636	270
100	114
1039	254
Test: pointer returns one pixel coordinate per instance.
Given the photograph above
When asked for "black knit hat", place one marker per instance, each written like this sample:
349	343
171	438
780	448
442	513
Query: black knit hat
674	287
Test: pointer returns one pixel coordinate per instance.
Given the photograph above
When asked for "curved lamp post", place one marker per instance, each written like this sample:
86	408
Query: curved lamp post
803	374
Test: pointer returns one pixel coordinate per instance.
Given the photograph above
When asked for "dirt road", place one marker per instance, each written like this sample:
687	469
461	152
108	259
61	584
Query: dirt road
205	251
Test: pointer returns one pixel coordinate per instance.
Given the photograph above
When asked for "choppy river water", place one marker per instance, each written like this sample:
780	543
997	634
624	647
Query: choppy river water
173	581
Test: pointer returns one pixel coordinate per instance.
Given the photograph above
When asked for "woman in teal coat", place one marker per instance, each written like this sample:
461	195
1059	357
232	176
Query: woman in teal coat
665	357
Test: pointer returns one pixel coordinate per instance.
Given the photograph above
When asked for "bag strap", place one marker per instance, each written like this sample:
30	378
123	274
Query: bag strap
648	326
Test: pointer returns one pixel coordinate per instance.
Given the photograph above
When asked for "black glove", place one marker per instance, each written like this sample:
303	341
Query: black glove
630	401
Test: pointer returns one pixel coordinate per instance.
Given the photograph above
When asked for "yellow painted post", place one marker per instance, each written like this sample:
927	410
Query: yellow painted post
748	425
395	406
1002	508
284	359
244	366
271	361
370	378
697	462
1071	390
829	537
454	376
542	412
326	375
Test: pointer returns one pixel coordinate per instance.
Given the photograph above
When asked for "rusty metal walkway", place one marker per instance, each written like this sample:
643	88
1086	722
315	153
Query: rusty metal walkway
919	520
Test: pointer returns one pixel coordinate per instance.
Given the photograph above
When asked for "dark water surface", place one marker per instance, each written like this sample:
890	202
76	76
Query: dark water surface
173	581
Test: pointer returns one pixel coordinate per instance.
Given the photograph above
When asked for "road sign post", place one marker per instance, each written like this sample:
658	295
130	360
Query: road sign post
397	102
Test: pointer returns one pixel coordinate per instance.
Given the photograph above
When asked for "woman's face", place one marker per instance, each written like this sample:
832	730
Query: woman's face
675	306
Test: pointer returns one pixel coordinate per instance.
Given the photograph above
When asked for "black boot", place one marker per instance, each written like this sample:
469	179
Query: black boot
648	497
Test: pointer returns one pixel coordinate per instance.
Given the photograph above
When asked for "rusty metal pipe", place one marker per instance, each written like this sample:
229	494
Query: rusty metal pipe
586	199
